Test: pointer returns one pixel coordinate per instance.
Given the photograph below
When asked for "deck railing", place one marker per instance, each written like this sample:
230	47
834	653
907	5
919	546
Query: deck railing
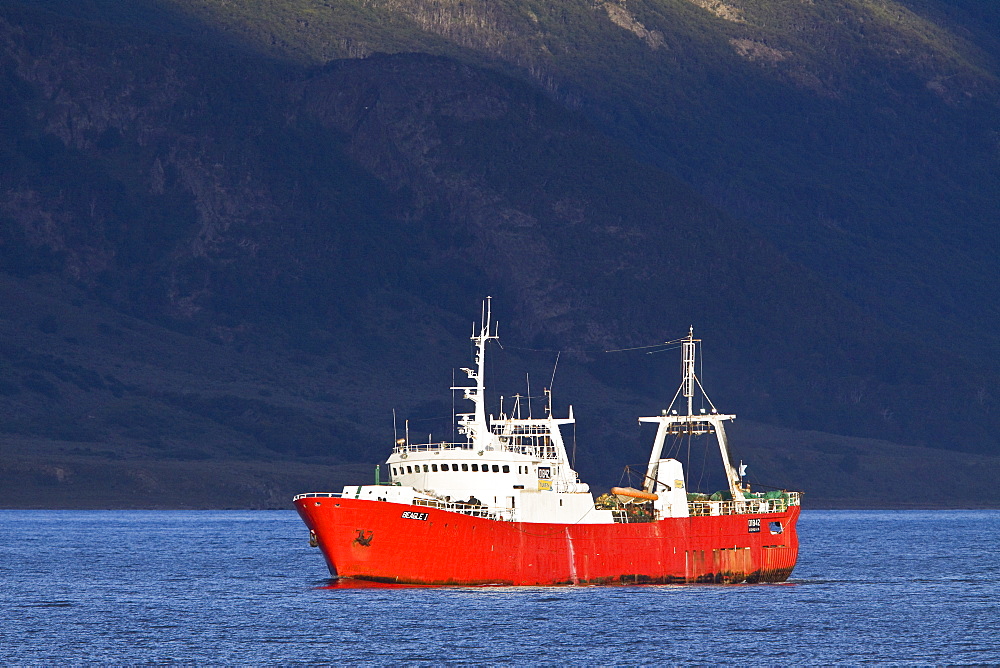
779	504
431	447
540	451
322	495
472	510
700	508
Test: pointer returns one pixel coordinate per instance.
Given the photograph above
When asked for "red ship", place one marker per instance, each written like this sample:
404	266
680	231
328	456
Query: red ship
505	507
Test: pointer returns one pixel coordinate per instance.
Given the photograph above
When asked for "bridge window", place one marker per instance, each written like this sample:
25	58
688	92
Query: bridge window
465	467
425	468
409	469
496	469
475	467
434	468
506	469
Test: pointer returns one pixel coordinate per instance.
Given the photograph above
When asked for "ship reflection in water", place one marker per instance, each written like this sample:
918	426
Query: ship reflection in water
352	583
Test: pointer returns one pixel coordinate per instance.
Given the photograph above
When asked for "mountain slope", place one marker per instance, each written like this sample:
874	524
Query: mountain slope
860	136
332	229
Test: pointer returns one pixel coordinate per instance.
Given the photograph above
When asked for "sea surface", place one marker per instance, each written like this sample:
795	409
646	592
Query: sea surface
232	587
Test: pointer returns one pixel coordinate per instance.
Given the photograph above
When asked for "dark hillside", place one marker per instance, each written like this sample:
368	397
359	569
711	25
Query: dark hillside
214	248
859	137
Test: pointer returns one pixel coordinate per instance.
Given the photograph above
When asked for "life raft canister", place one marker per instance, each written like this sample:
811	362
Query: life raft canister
634	493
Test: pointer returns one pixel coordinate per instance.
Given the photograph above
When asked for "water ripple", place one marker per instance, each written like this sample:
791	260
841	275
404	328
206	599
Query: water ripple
162	587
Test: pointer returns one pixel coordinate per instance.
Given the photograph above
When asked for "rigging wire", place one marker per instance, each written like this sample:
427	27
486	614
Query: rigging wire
671	345
661	350
572	463
555	366
704	465
687	465
701	370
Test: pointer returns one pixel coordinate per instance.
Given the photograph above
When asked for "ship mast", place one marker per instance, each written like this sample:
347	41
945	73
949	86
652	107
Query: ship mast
474	425
691	424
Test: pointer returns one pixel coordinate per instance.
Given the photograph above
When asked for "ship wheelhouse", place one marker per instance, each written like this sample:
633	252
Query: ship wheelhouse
517	467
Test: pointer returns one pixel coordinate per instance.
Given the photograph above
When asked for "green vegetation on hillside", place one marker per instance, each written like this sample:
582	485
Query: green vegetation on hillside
858	135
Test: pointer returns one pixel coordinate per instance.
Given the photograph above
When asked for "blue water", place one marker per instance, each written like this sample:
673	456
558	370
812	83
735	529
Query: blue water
125	587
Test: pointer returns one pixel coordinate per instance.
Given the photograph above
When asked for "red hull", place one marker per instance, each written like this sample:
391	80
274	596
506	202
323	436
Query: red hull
391	542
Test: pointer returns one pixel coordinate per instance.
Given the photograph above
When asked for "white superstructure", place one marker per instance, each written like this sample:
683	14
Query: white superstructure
511	468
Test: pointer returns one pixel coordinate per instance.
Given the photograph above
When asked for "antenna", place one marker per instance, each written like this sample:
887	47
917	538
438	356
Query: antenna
489	307
688	356
527	380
